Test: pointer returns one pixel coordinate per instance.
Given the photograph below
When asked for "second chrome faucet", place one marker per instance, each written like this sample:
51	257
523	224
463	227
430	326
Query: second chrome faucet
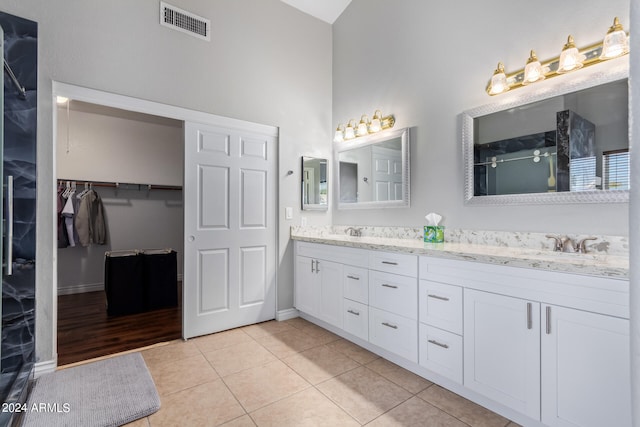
566	244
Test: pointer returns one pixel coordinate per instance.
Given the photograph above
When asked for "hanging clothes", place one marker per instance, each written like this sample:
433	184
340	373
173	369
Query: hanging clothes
68	215
63	240
90	222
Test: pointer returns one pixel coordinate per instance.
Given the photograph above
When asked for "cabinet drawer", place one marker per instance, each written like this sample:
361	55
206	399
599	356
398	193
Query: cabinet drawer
356	319
393	293
341	254
356	284
441	306
441	352
394	333
406	265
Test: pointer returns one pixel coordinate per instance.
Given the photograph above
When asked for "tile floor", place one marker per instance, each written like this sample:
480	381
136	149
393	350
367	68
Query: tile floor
294	373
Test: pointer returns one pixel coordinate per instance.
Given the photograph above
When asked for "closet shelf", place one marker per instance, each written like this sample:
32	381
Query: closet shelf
122	185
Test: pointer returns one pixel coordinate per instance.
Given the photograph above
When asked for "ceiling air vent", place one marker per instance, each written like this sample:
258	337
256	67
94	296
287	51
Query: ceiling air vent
186	22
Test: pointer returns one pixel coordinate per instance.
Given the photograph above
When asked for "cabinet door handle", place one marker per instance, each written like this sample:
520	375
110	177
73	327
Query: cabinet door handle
438	297
389	325
353	312
353	277
439	344
386	285
317	266
529	316
548	316
313	270
389	262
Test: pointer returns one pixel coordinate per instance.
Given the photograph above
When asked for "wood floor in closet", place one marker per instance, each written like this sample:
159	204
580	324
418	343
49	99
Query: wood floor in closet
86	331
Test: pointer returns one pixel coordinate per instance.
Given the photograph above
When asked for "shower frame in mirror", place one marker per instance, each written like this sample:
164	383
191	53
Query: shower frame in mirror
607	72
303	184
404	135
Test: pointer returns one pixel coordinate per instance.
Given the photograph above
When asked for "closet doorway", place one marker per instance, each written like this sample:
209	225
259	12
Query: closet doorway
230	268
133	162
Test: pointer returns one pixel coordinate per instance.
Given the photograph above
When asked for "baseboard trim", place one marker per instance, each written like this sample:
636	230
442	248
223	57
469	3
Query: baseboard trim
79	289
45	367
290	313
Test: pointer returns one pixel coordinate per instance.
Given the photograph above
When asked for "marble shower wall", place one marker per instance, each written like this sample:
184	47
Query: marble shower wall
18	290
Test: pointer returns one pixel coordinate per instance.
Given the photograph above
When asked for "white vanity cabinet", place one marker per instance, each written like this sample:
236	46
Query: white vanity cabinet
440	329
355	309
585	369
319	289
319	279
539	347
502	349
393	306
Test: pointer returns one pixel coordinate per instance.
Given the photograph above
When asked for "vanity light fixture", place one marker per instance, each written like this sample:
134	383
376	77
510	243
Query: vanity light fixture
498	81
339	135
570	58
349	132
614	44
364	127
533	71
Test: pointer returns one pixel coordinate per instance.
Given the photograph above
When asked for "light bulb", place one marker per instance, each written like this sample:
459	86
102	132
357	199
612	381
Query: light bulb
362	126
533	71
349	132
616	42
570	58
339	135
498	81
376	124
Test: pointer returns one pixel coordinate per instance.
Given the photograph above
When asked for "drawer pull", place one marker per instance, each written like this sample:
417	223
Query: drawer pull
389	262
389	325
548	316
386	285
353	277
439	344
438	297
353	312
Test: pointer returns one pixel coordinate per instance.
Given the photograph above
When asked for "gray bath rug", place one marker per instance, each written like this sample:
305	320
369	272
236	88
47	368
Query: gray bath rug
110	392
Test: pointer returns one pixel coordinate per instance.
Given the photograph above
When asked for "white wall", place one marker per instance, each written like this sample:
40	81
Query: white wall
96	143
266	63
427	62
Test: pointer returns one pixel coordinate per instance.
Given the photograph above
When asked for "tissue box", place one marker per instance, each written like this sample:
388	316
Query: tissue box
434	233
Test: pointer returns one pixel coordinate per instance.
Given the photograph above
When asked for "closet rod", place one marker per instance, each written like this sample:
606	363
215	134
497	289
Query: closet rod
122	185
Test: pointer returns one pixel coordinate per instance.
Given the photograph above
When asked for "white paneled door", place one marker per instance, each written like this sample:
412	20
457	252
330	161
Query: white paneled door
230	228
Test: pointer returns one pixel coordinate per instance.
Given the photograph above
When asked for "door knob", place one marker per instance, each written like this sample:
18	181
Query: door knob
191	238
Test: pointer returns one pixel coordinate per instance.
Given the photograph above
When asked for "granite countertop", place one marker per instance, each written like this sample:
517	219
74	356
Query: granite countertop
608	256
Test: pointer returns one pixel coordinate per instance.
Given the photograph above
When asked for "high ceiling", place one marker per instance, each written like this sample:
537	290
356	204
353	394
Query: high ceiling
326	10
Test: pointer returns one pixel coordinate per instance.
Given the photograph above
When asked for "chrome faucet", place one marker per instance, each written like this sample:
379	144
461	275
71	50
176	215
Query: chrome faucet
558	244
566	244
352	231
582	244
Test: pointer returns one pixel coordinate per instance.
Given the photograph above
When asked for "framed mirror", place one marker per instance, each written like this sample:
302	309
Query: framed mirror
315	190
373	171
566	143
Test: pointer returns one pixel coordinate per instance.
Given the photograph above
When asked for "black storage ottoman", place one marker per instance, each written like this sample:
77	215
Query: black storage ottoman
124	282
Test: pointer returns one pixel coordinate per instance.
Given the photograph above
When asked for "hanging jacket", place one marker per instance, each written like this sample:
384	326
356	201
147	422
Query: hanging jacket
90	222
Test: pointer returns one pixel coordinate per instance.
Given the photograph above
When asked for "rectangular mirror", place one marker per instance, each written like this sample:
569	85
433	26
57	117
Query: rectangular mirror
568	144
373	171
315	190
